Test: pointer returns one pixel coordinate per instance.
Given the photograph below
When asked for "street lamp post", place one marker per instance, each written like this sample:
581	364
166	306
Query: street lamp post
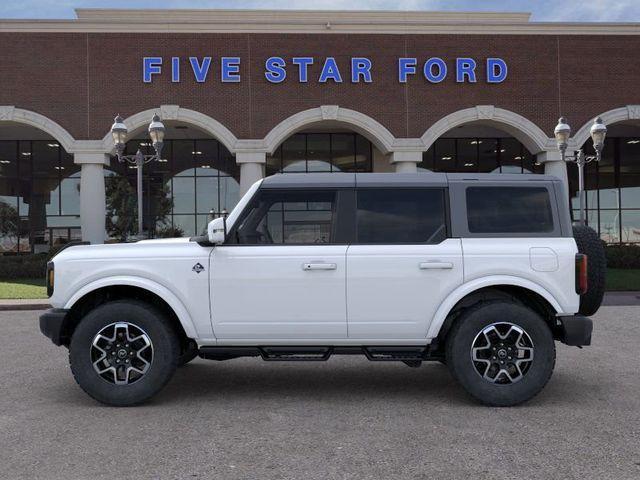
119	133
562	133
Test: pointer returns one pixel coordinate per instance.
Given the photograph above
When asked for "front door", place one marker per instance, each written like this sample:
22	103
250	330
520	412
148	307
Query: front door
402	265
281	275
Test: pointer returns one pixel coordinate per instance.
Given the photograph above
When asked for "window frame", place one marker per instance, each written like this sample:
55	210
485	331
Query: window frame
340	231
445	203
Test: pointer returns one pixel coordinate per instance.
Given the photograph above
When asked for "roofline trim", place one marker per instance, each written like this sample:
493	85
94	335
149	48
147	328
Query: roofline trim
311	21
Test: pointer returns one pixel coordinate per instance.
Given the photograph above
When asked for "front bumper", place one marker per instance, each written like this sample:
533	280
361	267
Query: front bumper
53	324
575	330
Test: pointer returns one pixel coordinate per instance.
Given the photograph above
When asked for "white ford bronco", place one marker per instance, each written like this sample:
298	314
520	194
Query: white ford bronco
480	272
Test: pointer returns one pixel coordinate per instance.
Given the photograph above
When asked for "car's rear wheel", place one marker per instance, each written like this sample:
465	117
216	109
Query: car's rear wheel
124	352
501	352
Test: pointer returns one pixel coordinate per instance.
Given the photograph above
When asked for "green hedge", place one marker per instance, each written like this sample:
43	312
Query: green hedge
623	256
13	267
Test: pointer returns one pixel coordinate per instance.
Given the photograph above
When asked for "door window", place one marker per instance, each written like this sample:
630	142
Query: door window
289	217
401	216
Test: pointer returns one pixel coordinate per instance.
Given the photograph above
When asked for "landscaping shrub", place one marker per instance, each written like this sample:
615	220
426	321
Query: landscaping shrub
33	265
14	267
623	256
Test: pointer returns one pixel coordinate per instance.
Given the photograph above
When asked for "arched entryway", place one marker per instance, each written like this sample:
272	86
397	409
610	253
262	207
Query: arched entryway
612	185
39	184
196	180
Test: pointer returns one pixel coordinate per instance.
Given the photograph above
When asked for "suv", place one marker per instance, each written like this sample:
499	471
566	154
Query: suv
480	272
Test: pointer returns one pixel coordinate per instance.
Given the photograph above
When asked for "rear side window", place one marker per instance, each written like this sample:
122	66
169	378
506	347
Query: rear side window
509	210
401	215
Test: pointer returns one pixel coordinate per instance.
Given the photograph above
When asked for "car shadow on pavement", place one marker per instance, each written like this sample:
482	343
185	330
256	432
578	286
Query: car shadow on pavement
244	380
353	380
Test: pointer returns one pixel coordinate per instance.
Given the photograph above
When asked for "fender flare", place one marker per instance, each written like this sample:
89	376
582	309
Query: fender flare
467	288
164	293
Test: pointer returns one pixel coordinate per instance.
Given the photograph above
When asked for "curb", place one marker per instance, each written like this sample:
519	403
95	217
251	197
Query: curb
23	306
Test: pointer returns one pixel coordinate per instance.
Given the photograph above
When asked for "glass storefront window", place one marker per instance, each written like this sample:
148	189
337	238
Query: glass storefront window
445	153
322	152
467	154
39	196
195	180
612	189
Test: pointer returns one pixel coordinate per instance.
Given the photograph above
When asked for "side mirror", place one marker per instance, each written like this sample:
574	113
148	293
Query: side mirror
217	230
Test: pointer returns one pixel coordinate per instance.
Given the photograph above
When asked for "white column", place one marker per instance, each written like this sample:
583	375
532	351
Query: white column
251	168
406	162
92	195
553	165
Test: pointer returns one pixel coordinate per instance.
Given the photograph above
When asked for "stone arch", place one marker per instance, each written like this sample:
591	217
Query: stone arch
373	130
177	113
629	112
521	128
9	113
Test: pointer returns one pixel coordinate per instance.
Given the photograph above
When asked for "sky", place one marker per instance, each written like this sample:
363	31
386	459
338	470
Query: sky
542	10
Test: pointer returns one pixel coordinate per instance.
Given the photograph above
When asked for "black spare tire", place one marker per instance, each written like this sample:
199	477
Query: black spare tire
589	243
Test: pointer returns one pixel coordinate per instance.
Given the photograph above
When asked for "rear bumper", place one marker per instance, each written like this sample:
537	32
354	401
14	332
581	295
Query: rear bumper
52	325
575	330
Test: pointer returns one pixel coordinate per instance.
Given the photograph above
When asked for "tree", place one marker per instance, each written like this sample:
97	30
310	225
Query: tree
122	207
9	221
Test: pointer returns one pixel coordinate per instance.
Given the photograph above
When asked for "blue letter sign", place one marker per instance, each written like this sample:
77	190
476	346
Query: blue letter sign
275	69
428	70
360	67
496	70
200	71
303	67
434	69
406	66
330	71
151	66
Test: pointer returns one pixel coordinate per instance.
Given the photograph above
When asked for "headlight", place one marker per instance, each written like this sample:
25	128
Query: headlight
50	278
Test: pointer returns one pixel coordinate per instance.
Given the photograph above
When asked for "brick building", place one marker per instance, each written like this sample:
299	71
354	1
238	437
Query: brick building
245	94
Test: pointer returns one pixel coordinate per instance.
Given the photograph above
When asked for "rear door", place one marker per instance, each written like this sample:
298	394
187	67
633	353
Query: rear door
403	263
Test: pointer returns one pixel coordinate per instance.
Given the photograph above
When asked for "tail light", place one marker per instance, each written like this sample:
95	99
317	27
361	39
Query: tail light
582	283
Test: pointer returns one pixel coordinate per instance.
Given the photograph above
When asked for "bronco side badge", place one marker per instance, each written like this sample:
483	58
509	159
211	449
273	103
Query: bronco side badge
198	268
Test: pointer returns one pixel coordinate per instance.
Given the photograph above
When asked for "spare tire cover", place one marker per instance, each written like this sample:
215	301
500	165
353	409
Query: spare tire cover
589	243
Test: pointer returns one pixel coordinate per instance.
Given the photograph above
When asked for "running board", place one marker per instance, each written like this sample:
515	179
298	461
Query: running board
319	354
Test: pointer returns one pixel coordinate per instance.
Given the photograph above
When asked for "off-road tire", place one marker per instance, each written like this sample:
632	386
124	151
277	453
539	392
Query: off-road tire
589	243
166	351
459	352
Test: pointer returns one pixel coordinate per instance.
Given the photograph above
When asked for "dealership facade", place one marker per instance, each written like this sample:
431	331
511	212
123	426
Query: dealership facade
244	94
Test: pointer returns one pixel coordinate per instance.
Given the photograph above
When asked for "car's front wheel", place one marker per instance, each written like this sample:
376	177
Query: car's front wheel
123	352
501	352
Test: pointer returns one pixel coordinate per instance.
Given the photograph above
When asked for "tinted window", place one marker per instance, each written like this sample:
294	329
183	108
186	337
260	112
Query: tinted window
401	216
289	217
509	210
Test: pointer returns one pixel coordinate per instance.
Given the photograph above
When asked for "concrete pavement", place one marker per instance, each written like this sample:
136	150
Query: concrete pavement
344	419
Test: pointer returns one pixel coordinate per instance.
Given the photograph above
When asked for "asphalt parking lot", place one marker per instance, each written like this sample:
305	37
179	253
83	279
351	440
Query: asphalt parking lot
346	418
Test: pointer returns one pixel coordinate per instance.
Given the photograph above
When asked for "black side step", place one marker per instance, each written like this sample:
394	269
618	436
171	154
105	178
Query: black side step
319	353
390	354
309	354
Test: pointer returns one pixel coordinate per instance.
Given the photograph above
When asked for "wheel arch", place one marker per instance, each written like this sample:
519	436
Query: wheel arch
120	288
526	291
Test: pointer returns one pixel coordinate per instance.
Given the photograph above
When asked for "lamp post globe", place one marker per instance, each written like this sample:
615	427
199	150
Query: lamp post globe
562	133
598	134
119	133
156	132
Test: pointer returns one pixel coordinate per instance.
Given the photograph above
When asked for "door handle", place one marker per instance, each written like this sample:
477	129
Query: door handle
319	266
436	265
